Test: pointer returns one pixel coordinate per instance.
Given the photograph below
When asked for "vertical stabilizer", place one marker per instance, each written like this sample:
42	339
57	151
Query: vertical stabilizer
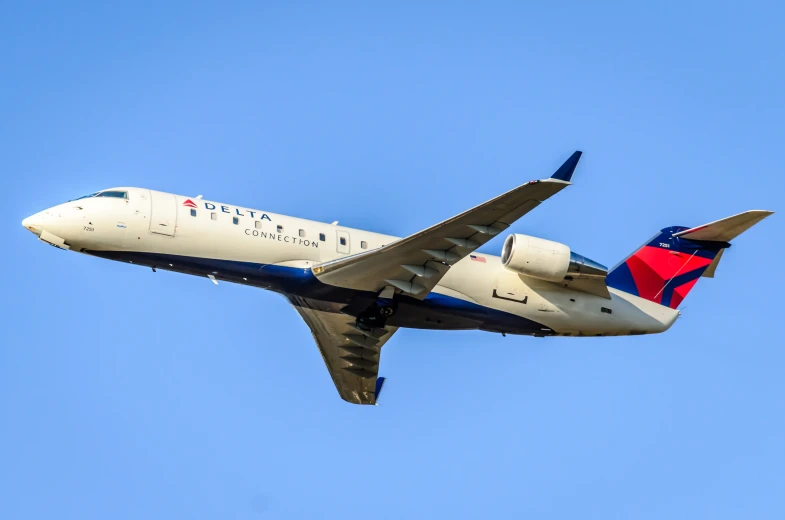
668	266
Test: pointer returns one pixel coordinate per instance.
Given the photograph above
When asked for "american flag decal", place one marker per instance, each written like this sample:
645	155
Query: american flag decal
477	258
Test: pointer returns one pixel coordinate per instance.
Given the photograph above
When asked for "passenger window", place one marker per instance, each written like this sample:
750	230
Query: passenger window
343	241
302	232
279	228
607	310
235	220
364	244
322	237
258	224
193	212
213	216
114	194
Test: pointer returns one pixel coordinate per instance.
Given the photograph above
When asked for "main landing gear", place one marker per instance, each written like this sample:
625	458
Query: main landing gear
375	316
387	311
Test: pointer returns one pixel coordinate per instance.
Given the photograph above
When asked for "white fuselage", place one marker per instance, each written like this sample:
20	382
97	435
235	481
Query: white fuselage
277	252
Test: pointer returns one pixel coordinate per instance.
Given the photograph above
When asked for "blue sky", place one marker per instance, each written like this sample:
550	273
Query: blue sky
128	394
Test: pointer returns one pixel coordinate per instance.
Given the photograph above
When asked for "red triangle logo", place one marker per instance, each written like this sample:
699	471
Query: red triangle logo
189	203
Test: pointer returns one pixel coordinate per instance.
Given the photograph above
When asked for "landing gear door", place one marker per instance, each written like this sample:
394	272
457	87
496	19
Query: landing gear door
163	215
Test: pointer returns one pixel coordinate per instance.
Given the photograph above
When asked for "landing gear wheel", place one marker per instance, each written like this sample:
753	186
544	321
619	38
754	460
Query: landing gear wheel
387	311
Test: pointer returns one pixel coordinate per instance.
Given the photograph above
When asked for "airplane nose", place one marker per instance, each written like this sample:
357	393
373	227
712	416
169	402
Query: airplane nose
33	224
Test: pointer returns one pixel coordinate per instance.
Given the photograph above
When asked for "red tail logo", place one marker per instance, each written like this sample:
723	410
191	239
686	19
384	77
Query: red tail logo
189	203
664	270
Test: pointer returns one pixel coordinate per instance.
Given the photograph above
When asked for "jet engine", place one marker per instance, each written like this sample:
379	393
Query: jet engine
547	260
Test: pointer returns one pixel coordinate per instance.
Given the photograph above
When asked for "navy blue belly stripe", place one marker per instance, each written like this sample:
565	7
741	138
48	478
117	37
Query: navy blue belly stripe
302	282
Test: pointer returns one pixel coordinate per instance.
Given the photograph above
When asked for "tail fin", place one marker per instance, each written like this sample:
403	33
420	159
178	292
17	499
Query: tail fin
668	266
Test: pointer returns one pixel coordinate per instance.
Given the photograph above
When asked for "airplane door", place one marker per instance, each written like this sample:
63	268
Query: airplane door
163	214
343	245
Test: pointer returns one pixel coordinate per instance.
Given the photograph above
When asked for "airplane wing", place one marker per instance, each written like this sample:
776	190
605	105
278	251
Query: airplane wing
415	264
350	353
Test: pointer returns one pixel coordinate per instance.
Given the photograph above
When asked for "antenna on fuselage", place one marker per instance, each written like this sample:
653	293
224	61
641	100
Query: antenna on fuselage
198	196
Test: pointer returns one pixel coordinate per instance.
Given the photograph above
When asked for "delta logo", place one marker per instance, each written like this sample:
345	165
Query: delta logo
226	209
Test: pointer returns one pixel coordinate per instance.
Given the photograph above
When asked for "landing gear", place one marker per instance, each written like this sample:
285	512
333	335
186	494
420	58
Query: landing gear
375	316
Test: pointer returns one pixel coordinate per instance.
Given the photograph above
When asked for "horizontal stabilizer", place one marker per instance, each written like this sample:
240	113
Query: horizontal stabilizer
726	229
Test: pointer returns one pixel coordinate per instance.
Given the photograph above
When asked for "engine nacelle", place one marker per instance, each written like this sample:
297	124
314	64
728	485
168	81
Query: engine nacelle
536	257
547	260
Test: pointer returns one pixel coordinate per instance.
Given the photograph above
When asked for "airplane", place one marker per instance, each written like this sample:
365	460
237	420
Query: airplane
355	288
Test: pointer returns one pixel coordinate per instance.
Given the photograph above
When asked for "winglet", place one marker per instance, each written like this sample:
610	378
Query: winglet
378	390
564	173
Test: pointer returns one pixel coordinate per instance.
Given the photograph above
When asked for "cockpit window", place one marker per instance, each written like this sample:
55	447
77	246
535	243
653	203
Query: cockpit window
115	194
86	196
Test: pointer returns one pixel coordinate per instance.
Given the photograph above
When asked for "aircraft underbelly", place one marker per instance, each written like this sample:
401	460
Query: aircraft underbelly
447	310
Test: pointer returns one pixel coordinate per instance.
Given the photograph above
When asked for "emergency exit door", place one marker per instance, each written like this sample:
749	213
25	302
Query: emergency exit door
163	213
342	242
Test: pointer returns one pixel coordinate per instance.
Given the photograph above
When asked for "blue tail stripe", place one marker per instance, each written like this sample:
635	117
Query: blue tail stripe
621	278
